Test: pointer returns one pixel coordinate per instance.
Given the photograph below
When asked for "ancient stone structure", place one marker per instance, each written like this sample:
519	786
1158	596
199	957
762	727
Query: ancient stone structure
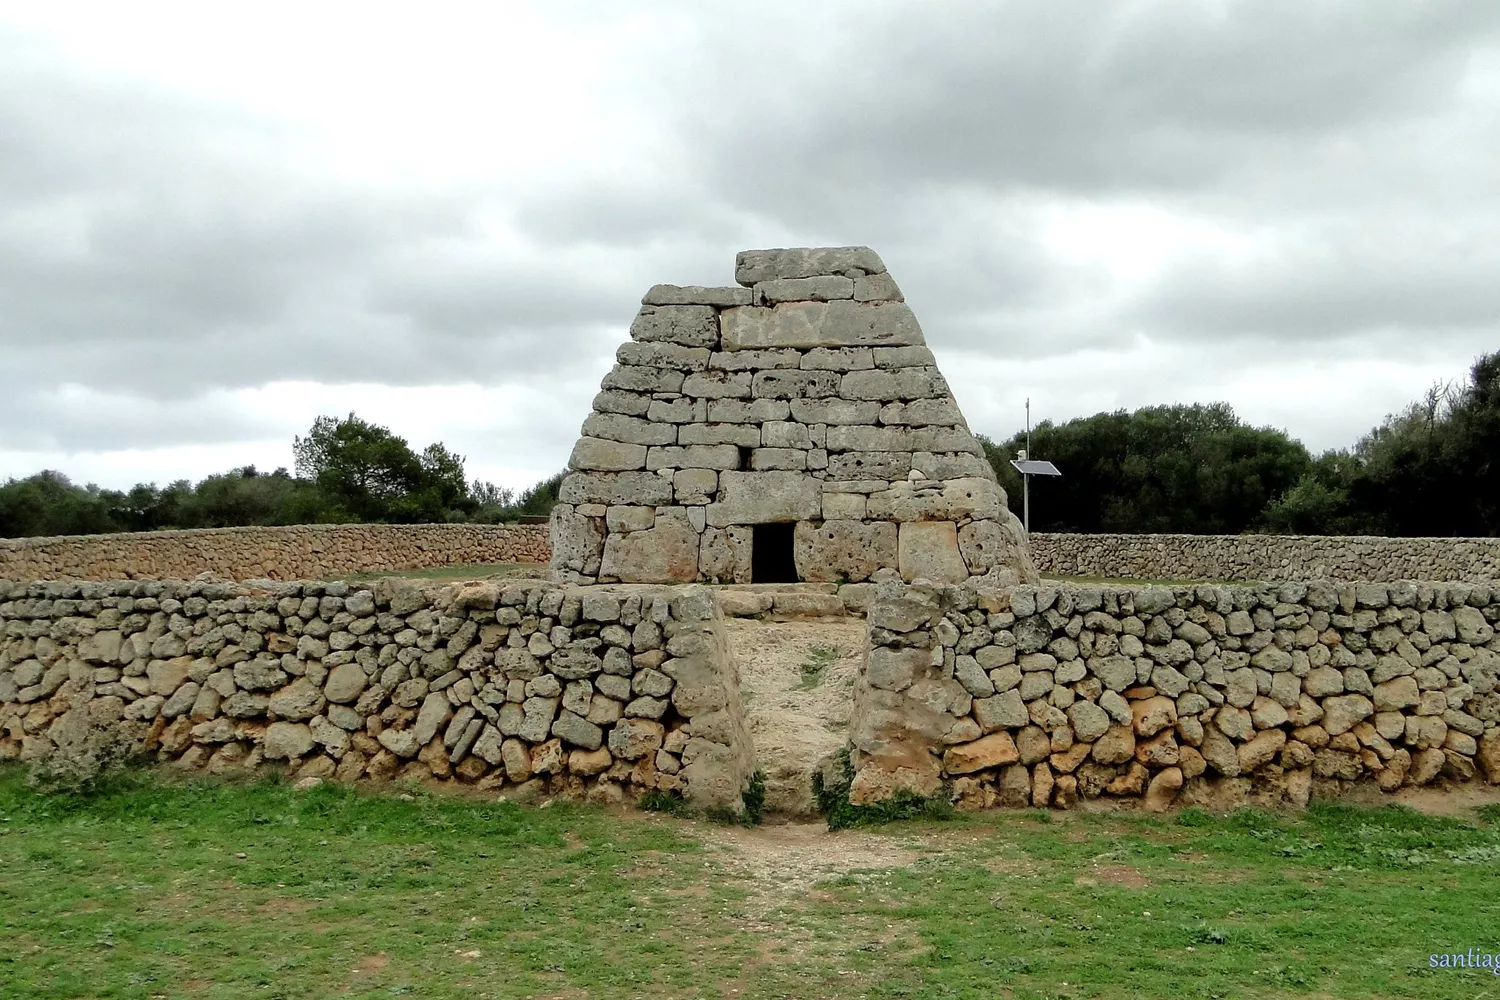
1267	557
1195	694
527	688
793	428
298	552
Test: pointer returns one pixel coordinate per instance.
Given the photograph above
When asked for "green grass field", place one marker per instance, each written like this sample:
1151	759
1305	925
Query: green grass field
255	890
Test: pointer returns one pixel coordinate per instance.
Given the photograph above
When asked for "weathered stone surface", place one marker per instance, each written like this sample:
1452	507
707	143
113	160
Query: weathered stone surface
842	551
929	550
988	751
608	488
765	497
286	741
666	553
688	325
806	325
696	295
609	456
751	267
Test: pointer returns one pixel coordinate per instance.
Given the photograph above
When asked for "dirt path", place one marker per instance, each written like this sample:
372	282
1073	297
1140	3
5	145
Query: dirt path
796	681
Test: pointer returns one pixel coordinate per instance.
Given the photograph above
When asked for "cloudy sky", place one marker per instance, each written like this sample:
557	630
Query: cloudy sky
216	226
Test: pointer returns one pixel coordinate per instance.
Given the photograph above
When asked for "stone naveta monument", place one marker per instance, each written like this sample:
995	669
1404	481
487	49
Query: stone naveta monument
794	428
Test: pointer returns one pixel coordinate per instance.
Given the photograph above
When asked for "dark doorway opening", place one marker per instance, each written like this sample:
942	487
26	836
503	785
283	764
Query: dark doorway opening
771	559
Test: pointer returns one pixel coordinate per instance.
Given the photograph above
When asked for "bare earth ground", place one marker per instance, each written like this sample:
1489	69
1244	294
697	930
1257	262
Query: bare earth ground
796	682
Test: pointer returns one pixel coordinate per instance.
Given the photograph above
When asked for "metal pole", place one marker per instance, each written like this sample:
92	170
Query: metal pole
1026	477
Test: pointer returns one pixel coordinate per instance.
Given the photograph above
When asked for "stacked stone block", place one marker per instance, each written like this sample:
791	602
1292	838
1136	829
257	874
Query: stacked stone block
1201	694
1267	557
530	689
806	396
305	551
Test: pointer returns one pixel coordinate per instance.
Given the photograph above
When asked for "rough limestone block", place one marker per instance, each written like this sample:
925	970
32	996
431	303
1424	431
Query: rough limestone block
686	359
842	551
900	383
633	378
718	385
694	456
694	486
839	359
921	412
929	550
737	411
785	434
725	555
843	323
741	361
741	435
948	465
624	518
688	325
619	401
666	553
696	295
843	506
643	488
909	439
765	497
877	288
577	541
984	544
764	459
606	456
822	288
795	384
676	411
903	357
835	411
888	465
754	266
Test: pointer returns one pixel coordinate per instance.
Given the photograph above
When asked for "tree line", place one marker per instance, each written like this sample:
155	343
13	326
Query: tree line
1430	469
345	470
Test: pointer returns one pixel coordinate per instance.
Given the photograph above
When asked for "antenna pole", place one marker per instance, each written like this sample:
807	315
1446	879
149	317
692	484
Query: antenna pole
1026	477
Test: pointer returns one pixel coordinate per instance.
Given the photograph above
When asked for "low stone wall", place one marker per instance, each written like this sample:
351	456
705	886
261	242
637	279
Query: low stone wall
531	688
1196	695
307	551
1267	557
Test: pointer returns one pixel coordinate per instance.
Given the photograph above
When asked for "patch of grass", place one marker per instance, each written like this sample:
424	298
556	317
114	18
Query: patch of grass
819	659
477	571
145	888
831	793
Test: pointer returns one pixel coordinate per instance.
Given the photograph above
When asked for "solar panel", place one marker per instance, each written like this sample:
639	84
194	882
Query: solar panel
1033	467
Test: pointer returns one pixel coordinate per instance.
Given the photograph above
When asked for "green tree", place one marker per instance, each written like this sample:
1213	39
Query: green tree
364	472
48	503
1195	469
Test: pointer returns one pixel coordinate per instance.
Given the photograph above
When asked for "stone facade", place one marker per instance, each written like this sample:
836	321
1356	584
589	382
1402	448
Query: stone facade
806	398
1200	694
528	689
309	551
1267	557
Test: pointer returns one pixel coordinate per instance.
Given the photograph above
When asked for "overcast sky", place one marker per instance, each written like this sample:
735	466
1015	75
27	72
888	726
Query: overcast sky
216	226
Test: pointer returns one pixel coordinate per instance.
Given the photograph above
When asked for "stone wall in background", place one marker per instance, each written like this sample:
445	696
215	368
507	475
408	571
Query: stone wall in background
311	551
1206	694
1266	557
526	688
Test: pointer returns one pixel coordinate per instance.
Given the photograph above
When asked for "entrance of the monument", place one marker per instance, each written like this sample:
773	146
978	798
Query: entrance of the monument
771	558
797	687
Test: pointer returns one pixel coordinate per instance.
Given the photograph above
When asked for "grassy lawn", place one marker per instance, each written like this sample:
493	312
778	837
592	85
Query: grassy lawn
255	890
478	571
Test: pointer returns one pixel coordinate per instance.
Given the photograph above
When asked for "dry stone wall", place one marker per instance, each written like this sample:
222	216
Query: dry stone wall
528	688
1266	557
806	397
1204	694
309	551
